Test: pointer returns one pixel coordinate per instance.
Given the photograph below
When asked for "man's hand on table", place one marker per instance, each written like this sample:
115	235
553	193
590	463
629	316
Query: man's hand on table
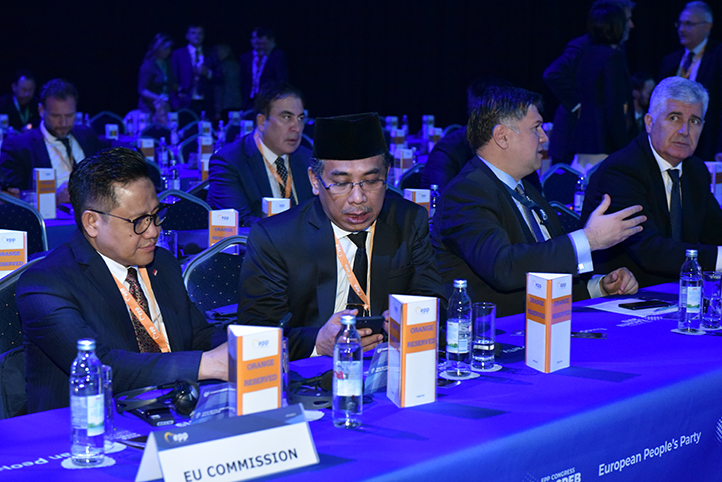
13	191
621	281
214	364
326	337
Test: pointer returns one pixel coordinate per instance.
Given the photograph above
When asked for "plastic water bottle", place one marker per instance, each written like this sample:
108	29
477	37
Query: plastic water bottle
579	195
347	375
458	332
690	294
163	155
220	135
87	406
405	124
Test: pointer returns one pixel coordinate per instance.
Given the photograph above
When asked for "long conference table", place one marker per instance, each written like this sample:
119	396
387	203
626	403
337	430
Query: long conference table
644	404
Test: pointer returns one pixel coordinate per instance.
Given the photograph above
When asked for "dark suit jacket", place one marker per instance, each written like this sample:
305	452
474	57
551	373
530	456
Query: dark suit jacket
21	154
561	78
276	68
184	76
481	236
71	295
238	178
631	176
606	122
710	76
7	106
290	266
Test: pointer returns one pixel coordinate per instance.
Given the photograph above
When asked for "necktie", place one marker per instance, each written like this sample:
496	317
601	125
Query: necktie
687	64
675	206
529	217
69	151
281	170
360	267
145	342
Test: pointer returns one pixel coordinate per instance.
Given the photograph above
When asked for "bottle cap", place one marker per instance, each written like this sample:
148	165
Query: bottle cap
459	283
434	187
348	320
692	253
86	344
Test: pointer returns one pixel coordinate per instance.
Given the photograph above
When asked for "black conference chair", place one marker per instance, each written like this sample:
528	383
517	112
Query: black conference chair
11	330
98	121
185	117
200	190
13	398
186	213
411	179
212	277
232	132
559	183
21	216
451	128
186	147
569	219
156	131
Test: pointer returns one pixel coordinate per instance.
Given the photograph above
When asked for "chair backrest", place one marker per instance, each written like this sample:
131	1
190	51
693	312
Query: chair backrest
186	147
97	123
200	190
411	179
187	213
559	183
451	128
569	219
185	117
232	131
306	141
156	131
189	130
11	330
155	175
212	277
13	397
21	216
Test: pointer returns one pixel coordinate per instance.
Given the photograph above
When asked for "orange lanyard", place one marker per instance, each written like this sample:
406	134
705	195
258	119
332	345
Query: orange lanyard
142	316
349	272
289	181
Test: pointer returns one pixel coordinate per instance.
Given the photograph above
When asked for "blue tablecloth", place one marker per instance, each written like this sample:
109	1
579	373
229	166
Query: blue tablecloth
642	404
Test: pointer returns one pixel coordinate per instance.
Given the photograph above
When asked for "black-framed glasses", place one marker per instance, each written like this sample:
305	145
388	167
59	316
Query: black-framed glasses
142	223
686	24
339	188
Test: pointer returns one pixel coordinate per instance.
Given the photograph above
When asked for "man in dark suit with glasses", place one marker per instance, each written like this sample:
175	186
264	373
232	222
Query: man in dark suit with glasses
342	252
112	284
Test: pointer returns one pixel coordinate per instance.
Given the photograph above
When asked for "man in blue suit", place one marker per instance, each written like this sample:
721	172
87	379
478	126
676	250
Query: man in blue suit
58	143
270	162
88	288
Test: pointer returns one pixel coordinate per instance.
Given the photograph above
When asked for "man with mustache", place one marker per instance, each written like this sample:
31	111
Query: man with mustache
491	227
342	252
269	162
112	284
658	171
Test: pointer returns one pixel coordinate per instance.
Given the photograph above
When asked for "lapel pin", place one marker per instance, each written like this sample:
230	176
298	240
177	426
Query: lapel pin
155	272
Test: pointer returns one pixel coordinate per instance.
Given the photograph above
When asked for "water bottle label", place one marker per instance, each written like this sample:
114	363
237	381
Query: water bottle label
457	336
88	413
694	299
578	202
348	379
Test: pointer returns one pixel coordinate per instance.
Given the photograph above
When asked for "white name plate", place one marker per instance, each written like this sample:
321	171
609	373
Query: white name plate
236	448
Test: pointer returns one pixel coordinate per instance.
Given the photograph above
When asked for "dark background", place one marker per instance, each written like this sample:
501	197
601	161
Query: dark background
393	57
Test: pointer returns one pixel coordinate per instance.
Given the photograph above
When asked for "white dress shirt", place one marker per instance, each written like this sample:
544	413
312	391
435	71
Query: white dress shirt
59	155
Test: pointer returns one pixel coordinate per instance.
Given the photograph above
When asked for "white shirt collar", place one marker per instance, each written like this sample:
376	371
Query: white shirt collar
48	136
699	47
504	177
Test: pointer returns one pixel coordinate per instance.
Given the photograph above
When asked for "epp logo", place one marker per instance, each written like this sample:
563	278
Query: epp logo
261	343
422	311
8	240
537	285
562	285
175	437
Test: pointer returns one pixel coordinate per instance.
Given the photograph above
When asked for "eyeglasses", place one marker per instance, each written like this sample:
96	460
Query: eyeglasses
142	223
686	24
339	188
